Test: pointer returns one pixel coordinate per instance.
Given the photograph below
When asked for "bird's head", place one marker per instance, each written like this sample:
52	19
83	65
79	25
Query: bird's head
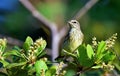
74	24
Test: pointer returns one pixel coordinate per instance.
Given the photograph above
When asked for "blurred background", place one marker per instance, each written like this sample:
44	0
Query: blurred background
101	21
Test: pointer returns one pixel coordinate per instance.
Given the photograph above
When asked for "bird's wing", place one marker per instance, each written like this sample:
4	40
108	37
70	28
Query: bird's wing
67	38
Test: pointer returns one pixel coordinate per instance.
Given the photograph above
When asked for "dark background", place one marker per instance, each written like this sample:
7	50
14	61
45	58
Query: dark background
101	21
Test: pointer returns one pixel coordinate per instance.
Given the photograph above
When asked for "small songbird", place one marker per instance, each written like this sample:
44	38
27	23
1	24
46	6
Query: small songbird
74	37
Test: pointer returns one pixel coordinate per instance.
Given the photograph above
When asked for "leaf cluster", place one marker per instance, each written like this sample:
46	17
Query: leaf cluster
30	60
92	56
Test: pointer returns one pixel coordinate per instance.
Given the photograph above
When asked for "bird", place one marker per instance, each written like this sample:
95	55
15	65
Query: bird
74	37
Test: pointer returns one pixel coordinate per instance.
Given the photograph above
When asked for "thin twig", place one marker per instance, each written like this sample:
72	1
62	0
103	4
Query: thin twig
115	73
85	9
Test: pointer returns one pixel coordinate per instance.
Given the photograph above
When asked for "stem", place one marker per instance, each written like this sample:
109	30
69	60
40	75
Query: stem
85	9
69	53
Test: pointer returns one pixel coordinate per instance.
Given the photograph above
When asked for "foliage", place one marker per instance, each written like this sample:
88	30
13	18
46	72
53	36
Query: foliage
31	60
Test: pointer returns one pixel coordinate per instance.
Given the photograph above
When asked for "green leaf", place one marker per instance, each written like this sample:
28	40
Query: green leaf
40	66
51	71
83	58
28	42
16	48
101	47
109	56
5	63
69	54
12	52
15	54
100	51
12	65
41	54
96	67
3	43
90	51
117	65
31	69
42	44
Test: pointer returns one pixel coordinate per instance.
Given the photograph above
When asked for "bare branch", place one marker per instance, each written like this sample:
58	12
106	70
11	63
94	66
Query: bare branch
63	31
56	38
84	9
115	73
12	41
37	14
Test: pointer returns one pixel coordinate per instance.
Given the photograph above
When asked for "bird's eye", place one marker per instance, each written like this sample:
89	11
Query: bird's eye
74	22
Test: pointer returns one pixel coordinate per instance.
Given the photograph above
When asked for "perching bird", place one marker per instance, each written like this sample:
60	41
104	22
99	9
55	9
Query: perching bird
74	37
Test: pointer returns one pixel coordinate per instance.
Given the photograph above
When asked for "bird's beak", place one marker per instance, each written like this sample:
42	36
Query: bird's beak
69	22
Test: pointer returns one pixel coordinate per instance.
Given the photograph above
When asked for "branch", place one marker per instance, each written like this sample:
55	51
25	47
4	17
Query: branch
38	15
63	32
84	9
115	73
55	33
12	41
